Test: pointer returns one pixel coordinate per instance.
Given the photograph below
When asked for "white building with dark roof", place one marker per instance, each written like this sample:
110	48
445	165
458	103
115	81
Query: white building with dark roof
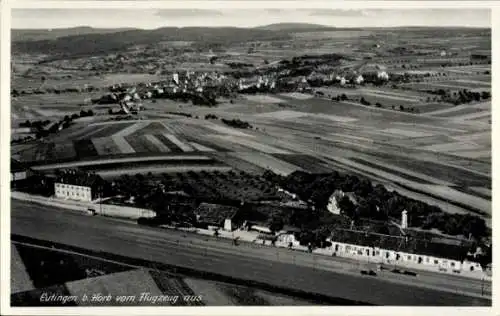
403	251
80	186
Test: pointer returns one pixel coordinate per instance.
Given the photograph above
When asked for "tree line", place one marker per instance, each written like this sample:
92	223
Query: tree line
377	203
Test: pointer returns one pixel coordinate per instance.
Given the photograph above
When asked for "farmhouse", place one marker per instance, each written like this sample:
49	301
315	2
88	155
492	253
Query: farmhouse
215	216
402	251
79	186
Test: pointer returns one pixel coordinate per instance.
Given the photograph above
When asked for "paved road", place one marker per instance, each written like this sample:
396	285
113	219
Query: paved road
313	273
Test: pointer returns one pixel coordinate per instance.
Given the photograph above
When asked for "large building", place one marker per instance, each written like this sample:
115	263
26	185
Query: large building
18	171
403	251
80	186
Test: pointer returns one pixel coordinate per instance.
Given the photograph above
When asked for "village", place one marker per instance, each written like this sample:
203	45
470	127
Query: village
369	154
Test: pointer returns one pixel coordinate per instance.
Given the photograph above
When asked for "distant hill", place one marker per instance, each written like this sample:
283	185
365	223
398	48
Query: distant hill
87	41
95	43
292	27
18	35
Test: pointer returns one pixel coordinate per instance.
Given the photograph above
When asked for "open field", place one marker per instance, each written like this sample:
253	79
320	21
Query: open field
406	133
267	162
263	99
449	147
156	142
226	130
475	154
454	86
105	146
405	173
475	82
425	108
441	171
252	145
306	162
485	106
285	114
460	197
384	96
238	164
80	82
459	112
297	95
474	116
422	141
469	69
200	147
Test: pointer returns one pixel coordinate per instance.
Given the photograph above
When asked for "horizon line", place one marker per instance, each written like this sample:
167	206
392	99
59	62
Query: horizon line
258	26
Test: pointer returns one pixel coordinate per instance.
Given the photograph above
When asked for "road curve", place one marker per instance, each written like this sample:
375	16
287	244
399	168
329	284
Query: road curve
332	277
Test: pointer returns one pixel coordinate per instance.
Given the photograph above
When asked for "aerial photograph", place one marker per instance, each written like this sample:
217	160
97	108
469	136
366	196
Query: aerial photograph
250	157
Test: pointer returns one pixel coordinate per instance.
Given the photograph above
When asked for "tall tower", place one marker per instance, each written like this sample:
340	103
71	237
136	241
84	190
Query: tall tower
404	219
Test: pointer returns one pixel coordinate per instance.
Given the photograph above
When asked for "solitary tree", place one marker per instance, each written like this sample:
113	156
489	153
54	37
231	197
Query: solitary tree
346	206
276	223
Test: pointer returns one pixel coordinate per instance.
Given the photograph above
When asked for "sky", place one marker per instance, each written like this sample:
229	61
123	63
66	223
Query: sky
155	18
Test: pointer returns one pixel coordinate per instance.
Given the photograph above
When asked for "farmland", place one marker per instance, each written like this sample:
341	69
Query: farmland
422	131
319	128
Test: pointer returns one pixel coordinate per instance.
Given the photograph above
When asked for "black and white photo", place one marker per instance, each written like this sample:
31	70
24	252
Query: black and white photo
219	156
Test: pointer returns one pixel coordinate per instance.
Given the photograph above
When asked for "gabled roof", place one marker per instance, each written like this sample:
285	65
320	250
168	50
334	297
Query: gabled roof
79	178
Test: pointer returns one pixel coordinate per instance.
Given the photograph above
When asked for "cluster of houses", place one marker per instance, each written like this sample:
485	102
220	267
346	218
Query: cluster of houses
398	250
180	84
452	257
214	83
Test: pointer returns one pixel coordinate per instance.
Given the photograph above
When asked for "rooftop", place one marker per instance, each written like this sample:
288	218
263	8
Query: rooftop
74	177
400	243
